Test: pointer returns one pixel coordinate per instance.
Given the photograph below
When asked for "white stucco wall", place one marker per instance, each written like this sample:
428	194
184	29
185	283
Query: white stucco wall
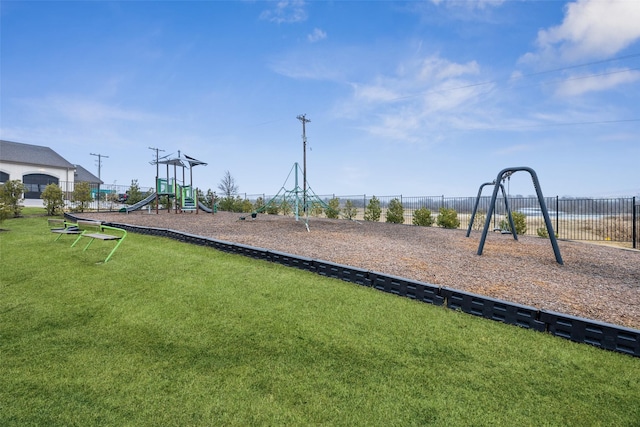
17	171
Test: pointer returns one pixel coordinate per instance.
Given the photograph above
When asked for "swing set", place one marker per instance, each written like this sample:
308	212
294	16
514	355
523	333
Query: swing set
497	184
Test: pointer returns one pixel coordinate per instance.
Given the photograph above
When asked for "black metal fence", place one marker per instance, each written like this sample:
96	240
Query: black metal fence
615	220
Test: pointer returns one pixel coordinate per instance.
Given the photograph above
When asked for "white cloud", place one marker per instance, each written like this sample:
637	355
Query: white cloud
471	4
286	11
422	95
317	35
85	110
436	68
590	29
583	84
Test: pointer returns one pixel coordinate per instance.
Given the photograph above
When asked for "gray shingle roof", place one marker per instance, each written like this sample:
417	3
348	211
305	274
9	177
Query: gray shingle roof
16	152
83	175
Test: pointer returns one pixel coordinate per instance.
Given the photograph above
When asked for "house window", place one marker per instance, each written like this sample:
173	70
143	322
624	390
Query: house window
4	177
35	184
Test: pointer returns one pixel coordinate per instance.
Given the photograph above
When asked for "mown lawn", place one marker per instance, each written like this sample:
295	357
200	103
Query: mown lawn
168	333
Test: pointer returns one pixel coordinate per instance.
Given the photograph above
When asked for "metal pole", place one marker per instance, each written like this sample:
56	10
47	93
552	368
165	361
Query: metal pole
543	208
99	156
304	120
634	223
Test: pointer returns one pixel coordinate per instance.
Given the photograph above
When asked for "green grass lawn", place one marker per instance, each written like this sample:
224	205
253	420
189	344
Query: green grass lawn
168	333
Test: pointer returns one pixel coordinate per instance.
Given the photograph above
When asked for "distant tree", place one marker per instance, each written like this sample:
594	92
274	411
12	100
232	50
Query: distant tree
134	193
395	212
259	204
53	201
349	211
11	195
333	209
81	195
228	185
373	210
316	209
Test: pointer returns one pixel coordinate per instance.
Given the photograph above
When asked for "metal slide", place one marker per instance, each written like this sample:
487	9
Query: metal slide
140	204
203	207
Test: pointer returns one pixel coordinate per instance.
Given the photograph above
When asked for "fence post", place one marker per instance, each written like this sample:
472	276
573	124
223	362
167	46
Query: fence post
557	215
634	223
364	205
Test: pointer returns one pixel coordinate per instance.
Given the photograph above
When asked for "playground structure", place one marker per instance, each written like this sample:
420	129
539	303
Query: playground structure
184	196
301	200
512	228
497	184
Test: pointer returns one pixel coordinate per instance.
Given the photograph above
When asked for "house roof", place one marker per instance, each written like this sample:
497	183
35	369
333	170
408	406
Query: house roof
15	152
83	175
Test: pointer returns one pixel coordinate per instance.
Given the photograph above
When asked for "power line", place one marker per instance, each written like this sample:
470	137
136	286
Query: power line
593	122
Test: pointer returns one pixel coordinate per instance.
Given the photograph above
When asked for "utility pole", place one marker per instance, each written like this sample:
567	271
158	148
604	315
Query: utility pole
157	150
99	156
304	120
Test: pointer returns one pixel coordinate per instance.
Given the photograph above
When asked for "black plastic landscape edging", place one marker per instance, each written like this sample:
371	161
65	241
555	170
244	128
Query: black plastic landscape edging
603	335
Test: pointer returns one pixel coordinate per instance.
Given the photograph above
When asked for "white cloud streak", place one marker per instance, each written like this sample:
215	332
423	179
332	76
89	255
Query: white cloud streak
286	11
579	85
591	29
316	35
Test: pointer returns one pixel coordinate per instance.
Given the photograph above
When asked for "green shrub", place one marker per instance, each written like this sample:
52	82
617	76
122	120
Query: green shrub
11	196
52	197
272	208
519	220
422	217
448	218
5	211
316	209
259	204
210	199
333	211
285	207
349	211
245	205
478	221
395	212
373	210
81	196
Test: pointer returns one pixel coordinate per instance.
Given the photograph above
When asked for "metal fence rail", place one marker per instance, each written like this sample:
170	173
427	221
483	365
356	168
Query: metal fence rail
607	220
615	220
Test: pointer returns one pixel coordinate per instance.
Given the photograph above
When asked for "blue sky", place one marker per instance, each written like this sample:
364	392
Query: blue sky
411	98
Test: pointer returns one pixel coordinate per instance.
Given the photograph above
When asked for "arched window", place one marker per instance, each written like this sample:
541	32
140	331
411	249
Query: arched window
35	183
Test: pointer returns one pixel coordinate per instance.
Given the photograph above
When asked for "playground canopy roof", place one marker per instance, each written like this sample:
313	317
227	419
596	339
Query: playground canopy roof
194	162
178	162
174	162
